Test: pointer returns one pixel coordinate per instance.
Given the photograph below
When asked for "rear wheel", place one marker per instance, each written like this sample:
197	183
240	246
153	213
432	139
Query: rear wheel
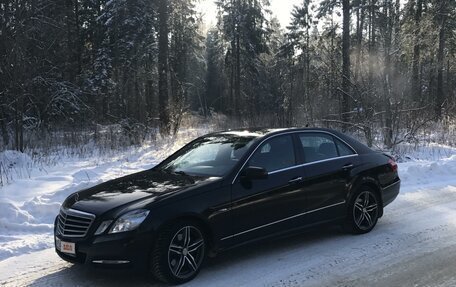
363	211
179	253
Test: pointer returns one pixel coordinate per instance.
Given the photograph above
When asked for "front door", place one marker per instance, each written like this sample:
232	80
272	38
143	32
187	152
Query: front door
264	206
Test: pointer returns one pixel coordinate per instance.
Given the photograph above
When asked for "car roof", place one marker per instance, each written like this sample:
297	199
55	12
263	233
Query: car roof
260	133
264	132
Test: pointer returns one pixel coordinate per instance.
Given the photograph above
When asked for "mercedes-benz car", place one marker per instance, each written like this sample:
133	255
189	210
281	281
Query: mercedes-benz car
223	190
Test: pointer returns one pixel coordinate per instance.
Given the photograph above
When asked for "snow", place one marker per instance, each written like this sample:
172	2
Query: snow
30	202
412	245
426	166
428	196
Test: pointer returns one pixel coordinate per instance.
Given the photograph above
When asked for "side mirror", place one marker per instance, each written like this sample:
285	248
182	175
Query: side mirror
253	172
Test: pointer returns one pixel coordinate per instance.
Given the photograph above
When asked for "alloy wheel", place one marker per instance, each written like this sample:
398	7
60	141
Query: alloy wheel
365	210
186	252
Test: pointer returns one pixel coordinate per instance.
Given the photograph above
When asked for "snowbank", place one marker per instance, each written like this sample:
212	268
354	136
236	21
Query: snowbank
426	166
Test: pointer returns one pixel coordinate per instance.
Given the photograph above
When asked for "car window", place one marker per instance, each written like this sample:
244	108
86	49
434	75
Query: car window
318	147
205	153
274	154
343	149
209	156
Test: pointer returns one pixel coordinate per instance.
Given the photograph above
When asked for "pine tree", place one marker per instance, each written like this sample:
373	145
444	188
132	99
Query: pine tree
244	27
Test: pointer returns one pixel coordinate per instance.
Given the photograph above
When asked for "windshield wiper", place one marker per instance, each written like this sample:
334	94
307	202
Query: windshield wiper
171	171
180	172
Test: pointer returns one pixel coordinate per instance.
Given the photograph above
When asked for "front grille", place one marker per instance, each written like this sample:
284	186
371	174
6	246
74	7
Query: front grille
74	223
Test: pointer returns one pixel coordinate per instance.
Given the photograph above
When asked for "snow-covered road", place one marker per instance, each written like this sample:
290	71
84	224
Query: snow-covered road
414	244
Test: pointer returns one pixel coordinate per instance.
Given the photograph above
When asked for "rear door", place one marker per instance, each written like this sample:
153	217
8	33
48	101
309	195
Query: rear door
327	165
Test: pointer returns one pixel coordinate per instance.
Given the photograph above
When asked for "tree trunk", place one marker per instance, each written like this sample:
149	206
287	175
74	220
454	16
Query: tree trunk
19	124
232	80
79	42
163	68
359	36
237	91
388	122
416	75
372	40
440	96
149	87
3	128
450	88
307	90
345	62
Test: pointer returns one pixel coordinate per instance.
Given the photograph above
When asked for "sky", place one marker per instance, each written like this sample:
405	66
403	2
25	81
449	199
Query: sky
280	8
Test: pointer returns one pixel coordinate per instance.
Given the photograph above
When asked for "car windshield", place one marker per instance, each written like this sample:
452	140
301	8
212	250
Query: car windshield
209	156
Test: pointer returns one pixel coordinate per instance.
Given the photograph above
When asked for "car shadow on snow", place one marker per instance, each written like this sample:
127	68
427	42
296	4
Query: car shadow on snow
242	262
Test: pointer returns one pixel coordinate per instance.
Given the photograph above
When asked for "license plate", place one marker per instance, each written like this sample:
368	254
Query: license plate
65	247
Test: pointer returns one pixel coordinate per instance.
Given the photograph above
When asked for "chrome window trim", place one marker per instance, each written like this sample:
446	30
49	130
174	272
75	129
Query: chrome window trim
311	163
282	220
295	166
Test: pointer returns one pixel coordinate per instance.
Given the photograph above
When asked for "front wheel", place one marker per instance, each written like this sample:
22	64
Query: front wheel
363	211
179	253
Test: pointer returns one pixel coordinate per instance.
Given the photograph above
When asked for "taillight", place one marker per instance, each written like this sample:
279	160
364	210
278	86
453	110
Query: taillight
392	164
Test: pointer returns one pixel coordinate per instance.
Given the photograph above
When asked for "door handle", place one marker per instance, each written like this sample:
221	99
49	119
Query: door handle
295	180
348	166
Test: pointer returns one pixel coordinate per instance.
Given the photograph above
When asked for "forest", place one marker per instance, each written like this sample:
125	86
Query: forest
384	69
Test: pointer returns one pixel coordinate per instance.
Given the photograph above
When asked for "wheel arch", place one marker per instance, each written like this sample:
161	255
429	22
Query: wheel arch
196	218
371	183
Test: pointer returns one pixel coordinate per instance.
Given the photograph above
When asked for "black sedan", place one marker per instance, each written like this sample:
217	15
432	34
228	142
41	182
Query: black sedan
224	190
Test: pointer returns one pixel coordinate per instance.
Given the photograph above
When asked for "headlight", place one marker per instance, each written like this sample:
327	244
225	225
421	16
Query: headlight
129	221
103	226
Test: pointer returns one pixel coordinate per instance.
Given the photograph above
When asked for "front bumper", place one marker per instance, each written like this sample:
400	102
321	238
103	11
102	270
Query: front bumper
128	249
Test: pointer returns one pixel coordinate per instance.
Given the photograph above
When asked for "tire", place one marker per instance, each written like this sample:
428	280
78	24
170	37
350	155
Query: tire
178	253
363	211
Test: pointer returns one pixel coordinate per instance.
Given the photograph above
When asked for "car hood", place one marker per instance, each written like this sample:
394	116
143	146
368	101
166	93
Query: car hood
148	185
